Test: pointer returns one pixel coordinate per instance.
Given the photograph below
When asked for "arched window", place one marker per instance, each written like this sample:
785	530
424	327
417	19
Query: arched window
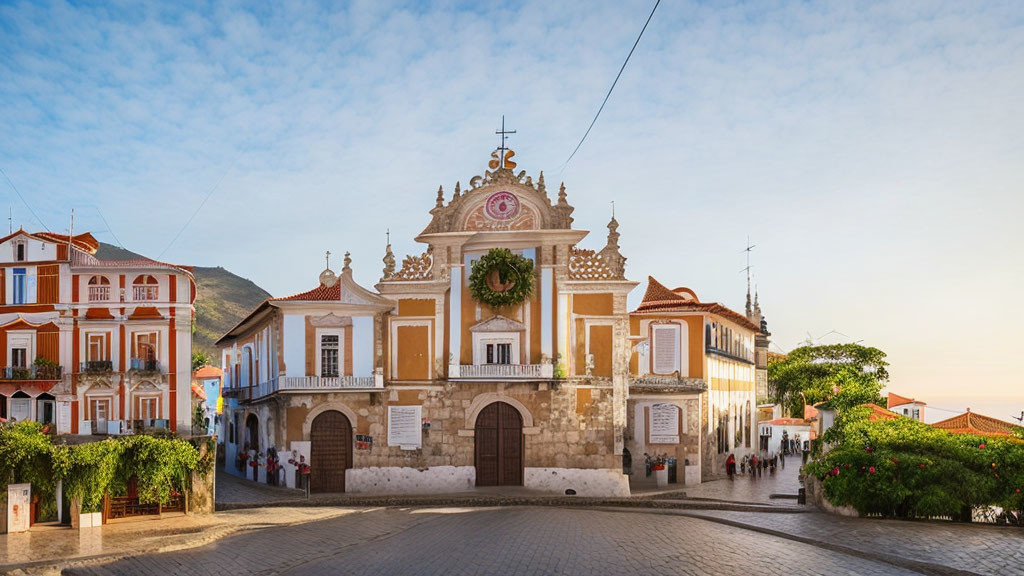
145	288
99	289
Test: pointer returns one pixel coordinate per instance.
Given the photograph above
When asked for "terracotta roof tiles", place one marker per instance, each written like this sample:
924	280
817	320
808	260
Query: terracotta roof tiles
321	293
974	423
658	298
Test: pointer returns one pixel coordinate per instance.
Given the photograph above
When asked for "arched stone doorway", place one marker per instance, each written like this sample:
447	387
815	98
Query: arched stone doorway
498	437
330	452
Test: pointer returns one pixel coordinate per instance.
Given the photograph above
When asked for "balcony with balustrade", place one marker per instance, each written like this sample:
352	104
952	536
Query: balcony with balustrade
96	367
144	365
99	293
35	372
501	372
306	385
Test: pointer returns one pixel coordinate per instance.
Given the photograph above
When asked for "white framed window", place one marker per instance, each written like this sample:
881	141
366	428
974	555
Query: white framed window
329	355
496	348
19	286
498	353
20	348
665	348
147	408
330	352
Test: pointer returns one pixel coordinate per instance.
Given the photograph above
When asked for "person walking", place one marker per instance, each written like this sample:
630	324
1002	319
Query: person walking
730	465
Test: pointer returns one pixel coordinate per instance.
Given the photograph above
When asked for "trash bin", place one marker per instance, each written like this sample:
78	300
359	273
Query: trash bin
671	464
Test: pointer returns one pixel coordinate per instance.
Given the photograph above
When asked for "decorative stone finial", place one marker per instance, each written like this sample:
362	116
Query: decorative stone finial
347	263
613	234
458	191
440	197
327	277
540	184
389	260
561	195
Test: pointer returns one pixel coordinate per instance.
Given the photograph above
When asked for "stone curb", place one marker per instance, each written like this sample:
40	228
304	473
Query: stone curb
497	501
914	565
209	536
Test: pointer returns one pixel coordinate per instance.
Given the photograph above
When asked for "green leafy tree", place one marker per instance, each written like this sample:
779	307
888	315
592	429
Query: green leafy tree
200	359
814	374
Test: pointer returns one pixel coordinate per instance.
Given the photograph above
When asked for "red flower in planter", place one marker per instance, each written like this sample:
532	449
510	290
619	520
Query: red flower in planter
871	470
862	467
982	447
921	465
869	449
847	466
835	471
894	461
1017	490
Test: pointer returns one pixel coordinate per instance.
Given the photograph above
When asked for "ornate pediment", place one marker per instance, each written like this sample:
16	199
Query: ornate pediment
96	382
330	321
498	324
146	386
501	200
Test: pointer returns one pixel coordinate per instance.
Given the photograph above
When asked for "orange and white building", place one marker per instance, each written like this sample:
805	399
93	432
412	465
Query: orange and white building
92	346
700	358
421	386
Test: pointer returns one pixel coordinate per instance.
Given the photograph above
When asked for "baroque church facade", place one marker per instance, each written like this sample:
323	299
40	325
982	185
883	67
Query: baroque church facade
504	354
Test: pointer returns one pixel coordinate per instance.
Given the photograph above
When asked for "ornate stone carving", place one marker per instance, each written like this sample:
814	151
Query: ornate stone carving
591	265
389	263
416	268
544	214
330	321
498	324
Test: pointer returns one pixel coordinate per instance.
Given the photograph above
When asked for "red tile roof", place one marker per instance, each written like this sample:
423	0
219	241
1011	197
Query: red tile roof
658	298
789	422
879	413
208	372
84	242
320	294
974	423
198	392
897	400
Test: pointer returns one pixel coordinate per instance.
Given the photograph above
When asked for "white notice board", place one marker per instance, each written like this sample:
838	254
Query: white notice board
19	498
405	427
664	423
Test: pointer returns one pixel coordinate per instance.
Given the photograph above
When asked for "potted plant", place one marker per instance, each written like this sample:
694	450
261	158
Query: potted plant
660	471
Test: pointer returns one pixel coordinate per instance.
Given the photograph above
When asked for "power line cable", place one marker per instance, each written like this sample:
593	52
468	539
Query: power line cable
27	205
194	214
608	95
109	229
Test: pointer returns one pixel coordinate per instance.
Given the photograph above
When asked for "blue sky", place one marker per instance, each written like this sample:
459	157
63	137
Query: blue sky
872	151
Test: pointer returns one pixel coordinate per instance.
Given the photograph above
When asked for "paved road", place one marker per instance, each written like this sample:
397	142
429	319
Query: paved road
505	541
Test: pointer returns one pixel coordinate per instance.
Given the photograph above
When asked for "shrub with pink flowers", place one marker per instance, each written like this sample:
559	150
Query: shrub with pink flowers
906	469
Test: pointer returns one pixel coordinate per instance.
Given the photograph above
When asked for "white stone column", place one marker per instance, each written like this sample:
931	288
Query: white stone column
455	321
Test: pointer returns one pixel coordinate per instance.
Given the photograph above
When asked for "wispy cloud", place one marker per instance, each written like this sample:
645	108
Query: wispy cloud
872	150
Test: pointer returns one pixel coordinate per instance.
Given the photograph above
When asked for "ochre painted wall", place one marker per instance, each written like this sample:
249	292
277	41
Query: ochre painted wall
601	348
416	307
413	353
593	304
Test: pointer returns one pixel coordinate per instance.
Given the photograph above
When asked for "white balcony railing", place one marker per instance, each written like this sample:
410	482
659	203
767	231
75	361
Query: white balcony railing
145	293
99	293
309	383
500	371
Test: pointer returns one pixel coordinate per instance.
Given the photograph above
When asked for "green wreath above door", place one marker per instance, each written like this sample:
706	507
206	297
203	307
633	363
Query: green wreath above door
501	278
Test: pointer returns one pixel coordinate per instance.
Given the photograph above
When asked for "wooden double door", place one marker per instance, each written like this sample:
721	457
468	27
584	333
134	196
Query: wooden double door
499	446
330	452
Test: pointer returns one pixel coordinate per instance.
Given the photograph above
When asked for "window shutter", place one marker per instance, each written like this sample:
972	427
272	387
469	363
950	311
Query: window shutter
665	349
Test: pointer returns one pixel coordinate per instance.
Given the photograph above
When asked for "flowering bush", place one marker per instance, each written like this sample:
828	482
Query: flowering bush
906	469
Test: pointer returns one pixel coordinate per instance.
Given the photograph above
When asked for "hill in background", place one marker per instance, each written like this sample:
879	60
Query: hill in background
223	299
